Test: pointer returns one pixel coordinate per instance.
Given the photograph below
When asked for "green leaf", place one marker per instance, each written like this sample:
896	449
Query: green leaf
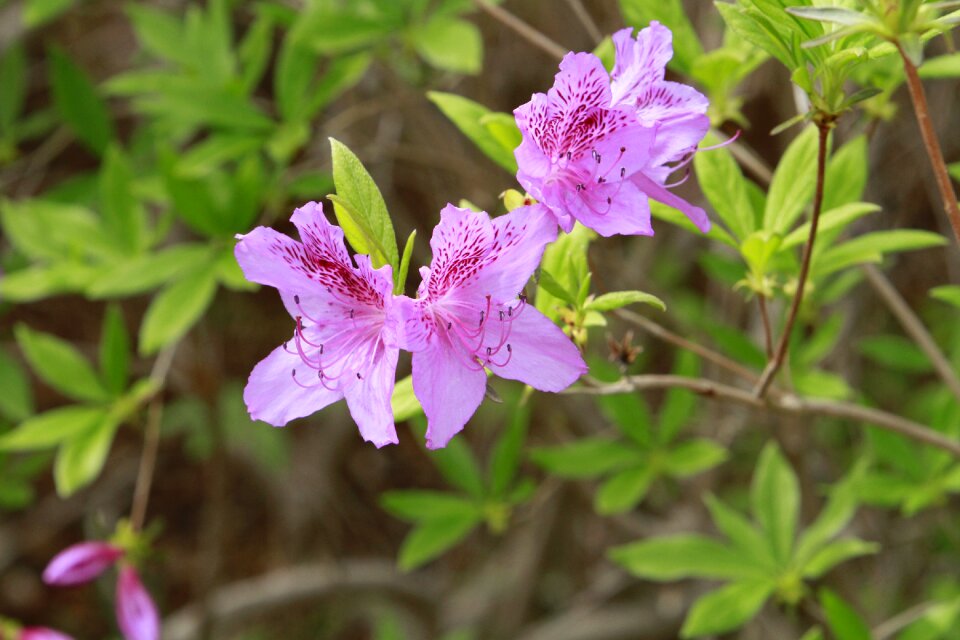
147	271
506	455
60	365
725	187
254	51
81	458
114	350
830	220
176	309
949	293
415	505
693	457
53	231
549	284
215	150
332	31
835	15
566	261
123	217
846	175
404	402
160	34
895	352
623	490
587	457
678	405
432	537
726	608
870	247
747	539
618	299
401	277
13	79
360	209
682	556
503	127
836	514
793	183
775	500
670	215
450	43
51	428
467	115
836	552
16	401
38	12
845	623
945	66
78	103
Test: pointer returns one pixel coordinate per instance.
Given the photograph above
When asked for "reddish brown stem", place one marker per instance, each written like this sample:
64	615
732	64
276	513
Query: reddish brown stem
824	125
919	98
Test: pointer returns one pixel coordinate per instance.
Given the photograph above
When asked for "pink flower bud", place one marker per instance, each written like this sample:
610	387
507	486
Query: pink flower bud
80	563
41	633
136	613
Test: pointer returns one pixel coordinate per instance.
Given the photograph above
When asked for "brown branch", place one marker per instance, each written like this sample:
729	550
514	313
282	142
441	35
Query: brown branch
767	331
922	110
914	327
531	35
824	124
786	403
706	353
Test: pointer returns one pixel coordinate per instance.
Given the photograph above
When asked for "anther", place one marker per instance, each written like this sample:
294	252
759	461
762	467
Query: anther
296	299
609	200
482	316
601	180
359	377
489	351
509	348
623	149
351	314
501	316
623	172
569	155
449	325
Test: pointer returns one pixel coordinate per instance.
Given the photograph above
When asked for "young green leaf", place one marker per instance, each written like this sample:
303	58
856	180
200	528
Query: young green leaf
506	455
846	176
77	100
725	188
623	490
122	214
16	401
775	500
845	623
432	537
586	458
176	309
726	608
618	299
450	44
836	552
401	273
792	184
949	293
466	115
415	506
692	457
896	353
404	402
870	247
51	428
81	458
114	350
682	556
60	365
360	209
833	219
745	537
146	271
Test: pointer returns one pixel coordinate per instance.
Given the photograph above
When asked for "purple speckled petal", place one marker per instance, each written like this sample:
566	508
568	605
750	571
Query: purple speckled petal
640	62
136	614
369	399
81	563
449	391
659	193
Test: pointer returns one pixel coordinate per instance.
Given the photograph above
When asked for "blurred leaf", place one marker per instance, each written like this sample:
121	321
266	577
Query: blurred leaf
775	500
679	405
267	447
404	402
549	284
60	365
623	490
123	217
114	350
726	608
38	12
81	458
830	220
845	623
793	183
836	552
330	30
835	515
176	309
13	79
503	127
360	209
342	73
870	247
432	537
160	34
682	556
693	457
895	352
416	505
742	533
949	293
78	103
53	231
195	102
254	50
216	150
147	271
467	116
37	283
945	66
846	175
586	458
508	449
16	401
618	299
51	428
450	43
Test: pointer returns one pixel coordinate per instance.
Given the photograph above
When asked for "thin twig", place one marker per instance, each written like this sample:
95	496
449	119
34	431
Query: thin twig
788	403
533	36
706	353
584	17
767	331
888	628
913	326
824	125
920	107
151	440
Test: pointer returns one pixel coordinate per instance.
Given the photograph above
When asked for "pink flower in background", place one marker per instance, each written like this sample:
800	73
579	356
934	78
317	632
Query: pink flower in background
470	315
136	614
41	633
344	343
595	147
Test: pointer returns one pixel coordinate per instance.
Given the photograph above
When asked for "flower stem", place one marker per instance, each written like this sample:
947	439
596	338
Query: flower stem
919	98
824	123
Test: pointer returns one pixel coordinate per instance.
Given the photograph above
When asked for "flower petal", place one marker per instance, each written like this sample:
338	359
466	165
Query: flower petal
80	563
369	399
581	82
541	355
627	212
322	240
640	63
41	633
272	395
660	193
136	614
448	390
460	244
271	258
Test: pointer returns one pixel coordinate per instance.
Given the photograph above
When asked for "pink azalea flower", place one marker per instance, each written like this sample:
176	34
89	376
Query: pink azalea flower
344	343
470	315
136	614
595	148
41	633
81	563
